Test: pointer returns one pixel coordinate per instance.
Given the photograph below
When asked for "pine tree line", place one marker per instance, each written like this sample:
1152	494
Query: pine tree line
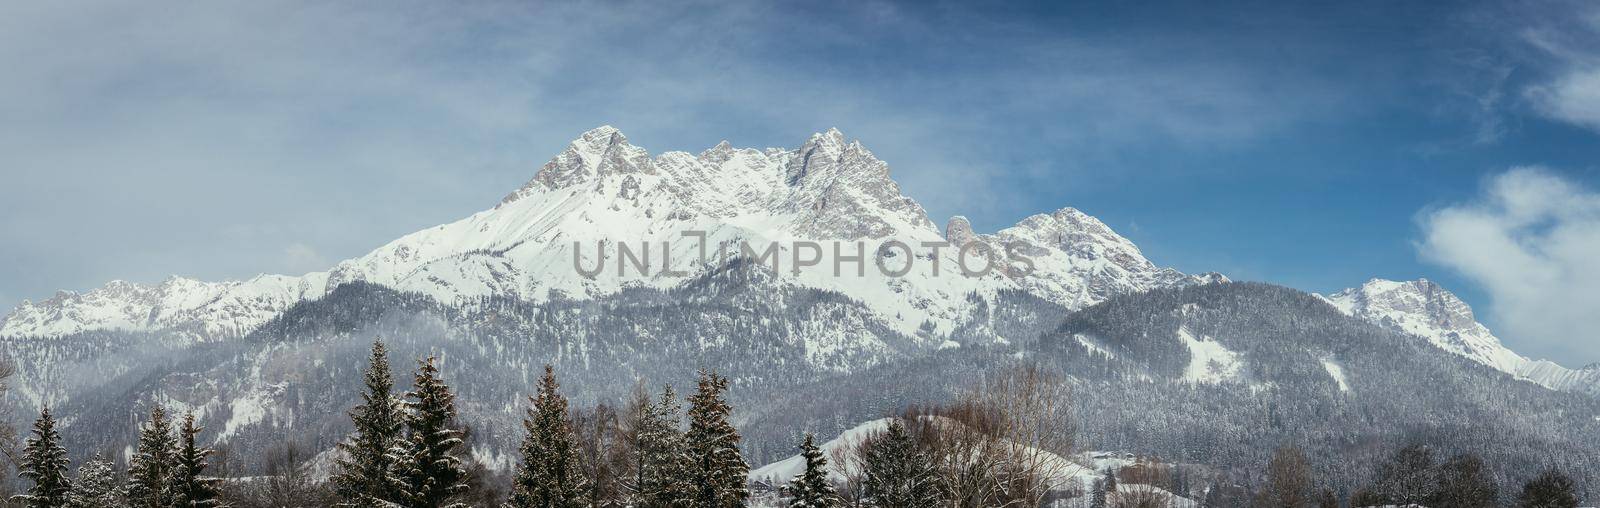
166	471
407	452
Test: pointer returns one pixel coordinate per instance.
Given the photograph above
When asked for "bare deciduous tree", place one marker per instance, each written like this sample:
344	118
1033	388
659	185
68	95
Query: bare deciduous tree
848	461
1139	485
1288	480
1003	443
1035	429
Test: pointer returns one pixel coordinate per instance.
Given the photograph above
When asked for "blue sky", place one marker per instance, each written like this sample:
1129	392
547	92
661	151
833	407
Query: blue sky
1312	144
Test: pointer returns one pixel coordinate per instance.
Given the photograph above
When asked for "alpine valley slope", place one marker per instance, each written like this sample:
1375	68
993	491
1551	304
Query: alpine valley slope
1221	375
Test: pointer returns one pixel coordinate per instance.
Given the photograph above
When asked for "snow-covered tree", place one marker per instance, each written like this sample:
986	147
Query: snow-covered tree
362	477
811	488
428	474
1097	497
548	475
151	468
191	488
718	470
97	485
662	460
1108	484
44	462
898	474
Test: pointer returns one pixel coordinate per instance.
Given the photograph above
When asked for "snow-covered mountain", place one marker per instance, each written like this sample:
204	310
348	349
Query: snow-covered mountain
677	210
1221	373
1423	308
602	192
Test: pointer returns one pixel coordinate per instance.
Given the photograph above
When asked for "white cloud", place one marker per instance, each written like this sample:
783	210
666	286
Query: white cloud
1532	241
1571	90
1573	98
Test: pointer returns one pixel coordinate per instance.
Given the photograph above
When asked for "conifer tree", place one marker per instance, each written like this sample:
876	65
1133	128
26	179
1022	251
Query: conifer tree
190	487
428	472
811	488
362	477
1097	497
96	485
151	468
634	420
44	461
1109	478
718	470
663	459
549	475
898	474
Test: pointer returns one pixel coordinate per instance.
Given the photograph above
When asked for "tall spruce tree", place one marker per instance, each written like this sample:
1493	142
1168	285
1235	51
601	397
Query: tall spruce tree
898	474
191	488
44	462
428	472
362	477
150	471
663	460
1097	494
1108	477
97	485
549	475
811	488
718	470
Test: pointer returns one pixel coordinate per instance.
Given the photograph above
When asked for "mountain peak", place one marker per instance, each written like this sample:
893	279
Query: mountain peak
959	231
1425	309
601	189
598	152
1420	298
830	142
832	136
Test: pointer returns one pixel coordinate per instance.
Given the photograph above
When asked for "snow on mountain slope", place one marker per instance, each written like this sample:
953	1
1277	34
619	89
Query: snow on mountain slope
1080	472
780	472
1209	361
1425	309
602	193
203	309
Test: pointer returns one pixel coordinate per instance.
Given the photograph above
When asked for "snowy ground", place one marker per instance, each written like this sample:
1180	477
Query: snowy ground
1083	468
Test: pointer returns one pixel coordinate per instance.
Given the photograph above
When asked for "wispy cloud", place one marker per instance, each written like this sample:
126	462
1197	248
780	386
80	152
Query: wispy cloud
1569	45
1530	241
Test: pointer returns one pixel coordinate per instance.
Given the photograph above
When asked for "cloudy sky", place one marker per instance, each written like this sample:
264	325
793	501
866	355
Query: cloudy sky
1313	146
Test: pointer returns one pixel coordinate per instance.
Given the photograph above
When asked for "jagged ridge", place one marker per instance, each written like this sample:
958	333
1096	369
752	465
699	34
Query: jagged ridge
600	189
